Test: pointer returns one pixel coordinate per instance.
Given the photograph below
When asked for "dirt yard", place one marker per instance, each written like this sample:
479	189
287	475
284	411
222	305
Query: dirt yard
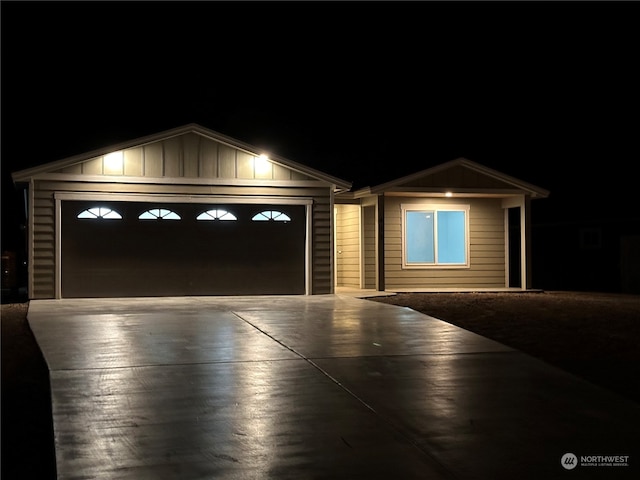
27	425
595	336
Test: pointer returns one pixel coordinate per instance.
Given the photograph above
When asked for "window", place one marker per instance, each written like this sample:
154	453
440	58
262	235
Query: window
435	235
216	214
100	212
271	215
159	214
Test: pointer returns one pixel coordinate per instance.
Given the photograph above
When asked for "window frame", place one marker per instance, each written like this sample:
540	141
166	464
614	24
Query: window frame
434	208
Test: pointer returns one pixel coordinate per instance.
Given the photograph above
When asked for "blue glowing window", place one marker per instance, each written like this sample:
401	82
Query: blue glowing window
435	237
419	239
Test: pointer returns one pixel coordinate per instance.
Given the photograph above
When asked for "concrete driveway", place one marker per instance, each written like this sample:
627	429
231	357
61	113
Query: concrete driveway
311	387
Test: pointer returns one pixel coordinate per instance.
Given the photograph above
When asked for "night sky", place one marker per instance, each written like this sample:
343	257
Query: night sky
366	91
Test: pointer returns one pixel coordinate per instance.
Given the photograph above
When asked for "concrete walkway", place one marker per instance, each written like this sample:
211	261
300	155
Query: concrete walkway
311	387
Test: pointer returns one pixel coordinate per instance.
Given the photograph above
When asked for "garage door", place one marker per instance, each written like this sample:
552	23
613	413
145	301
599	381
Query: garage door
124	249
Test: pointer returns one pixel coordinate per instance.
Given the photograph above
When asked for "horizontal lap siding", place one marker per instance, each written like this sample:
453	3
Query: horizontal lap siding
322	246
185	156
369	246
43	261
486	249
43	253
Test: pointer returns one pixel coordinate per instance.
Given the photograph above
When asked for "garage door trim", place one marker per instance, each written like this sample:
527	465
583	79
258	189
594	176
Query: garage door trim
271	200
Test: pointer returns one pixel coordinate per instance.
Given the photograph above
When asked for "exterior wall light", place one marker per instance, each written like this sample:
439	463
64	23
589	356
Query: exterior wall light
262	165
448	194
113	162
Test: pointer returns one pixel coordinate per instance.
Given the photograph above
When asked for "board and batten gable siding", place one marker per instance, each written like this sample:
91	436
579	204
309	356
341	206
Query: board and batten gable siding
486	249
189	156
348	245
459	176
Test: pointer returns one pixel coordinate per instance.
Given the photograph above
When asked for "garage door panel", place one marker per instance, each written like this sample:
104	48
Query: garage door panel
132	257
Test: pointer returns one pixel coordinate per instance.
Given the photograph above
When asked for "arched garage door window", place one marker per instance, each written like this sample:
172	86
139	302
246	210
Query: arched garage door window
217	214
159	214
271	215
100	212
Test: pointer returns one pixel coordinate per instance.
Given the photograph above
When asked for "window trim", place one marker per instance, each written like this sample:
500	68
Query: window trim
434	207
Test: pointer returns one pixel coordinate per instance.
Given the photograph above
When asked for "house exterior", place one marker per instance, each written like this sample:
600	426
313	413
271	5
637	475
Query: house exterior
185	212
456	226
190	211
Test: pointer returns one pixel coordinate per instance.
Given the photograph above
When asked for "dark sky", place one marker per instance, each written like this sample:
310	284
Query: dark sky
544	91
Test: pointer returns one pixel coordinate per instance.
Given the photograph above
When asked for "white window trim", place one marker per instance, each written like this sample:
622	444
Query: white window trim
419	207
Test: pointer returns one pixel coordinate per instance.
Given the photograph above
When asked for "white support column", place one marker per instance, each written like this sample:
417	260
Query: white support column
525	242
308	260
58	249
361	246
507	254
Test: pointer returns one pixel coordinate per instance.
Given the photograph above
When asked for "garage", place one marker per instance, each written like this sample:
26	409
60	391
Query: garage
124	249
186	211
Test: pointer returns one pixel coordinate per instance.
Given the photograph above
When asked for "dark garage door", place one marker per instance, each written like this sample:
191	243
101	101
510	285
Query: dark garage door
109	251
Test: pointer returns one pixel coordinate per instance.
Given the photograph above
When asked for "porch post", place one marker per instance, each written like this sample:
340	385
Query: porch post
380	280
525	242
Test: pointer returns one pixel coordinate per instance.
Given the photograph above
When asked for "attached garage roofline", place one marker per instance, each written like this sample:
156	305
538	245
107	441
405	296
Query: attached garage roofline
26	174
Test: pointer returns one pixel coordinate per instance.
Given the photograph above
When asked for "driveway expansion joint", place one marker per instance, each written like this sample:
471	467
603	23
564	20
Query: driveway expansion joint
443	468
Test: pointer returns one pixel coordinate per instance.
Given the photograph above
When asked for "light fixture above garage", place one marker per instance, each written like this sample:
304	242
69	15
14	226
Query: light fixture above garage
448	194
113	162
262	164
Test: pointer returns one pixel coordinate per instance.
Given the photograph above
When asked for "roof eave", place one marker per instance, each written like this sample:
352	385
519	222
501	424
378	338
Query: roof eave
533	190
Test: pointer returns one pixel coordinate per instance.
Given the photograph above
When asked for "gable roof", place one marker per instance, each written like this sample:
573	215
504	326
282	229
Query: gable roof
428	180
26	174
